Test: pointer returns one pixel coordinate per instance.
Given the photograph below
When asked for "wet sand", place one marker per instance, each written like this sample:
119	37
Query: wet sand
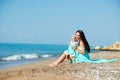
66	71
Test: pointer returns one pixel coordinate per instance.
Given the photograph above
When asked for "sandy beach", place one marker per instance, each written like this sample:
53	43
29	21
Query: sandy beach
66	71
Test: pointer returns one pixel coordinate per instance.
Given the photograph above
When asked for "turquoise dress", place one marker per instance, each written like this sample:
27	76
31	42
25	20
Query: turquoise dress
70	51
85	57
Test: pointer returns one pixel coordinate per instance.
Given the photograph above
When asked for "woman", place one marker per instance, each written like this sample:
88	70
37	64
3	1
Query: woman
81	53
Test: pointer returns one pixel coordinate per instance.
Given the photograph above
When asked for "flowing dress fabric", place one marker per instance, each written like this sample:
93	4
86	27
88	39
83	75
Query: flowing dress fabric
70	51
85	57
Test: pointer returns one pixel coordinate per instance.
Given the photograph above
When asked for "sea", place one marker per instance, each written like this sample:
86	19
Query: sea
15	54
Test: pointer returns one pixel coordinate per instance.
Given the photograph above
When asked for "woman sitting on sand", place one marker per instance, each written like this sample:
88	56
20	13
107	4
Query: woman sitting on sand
81	53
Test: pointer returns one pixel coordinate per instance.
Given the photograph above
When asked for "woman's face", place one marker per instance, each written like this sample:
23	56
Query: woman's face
77	36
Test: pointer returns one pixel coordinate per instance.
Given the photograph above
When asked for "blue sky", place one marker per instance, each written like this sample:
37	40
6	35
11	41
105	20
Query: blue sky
54	21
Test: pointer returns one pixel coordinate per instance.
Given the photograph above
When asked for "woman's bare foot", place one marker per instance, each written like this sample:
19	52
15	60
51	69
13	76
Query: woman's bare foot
52	65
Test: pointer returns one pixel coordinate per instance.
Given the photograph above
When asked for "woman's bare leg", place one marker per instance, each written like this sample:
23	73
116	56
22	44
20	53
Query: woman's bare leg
58	61
61	59
68	58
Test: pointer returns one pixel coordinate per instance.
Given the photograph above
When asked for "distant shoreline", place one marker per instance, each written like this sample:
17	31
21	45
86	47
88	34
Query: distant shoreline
106	49
113	47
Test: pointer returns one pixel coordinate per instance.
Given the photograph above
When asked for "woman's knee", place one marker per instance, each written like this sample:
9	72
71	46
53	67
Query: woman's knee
65	53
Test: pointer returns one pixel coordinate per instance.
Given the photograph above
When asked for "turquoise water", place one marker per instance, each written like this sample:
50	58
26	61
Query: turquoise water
12	54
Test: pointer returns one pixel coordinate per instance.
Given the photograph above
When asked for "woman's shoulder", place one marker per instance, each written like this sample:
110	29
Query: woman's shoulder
81	43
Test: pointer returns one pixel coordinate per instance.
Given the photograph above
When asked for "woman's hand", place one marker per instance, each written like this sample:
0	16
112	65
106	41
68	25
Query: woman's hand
75	47
78	50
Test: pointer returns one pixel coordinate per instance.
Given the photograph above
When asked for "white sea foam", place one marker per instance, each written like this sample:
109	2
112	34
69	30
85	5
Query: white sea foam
21	56
26	56
14	57
46	55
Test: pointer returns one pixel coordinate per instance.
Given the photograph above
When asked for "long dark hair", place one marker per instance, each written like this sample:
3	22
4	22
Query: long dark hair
82	36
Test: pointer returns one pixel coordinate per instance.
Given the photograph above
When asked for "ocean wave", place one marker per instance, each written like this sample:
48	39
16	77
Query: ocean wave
46	55
25	56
